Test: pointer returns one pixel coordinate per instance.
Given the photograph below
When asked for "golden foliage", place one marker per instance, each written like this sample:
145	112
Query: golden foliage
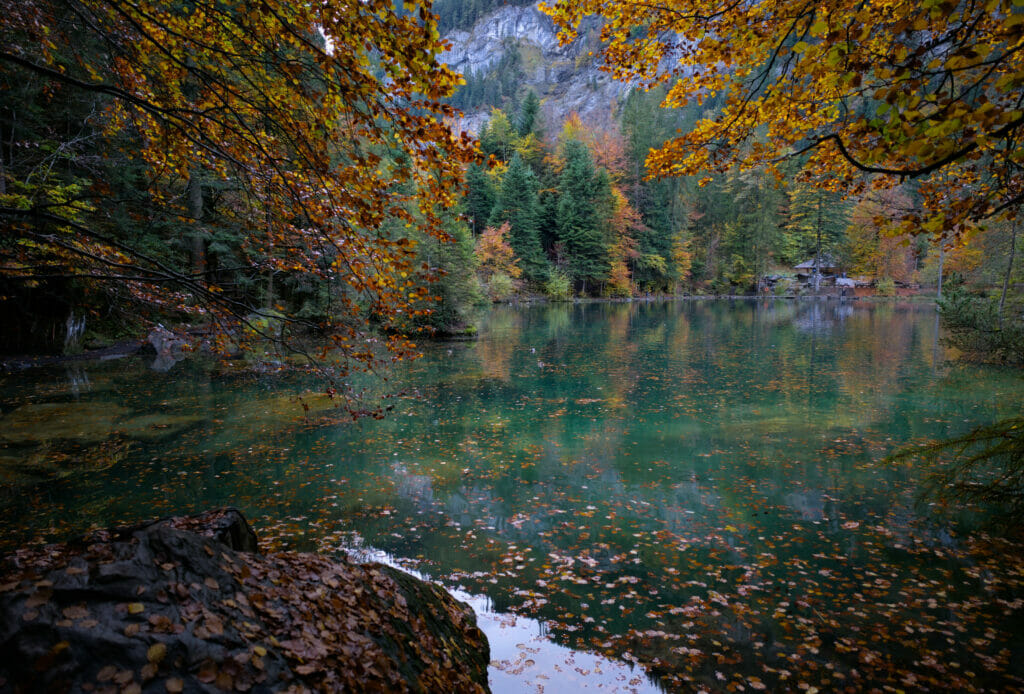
872	93
325	119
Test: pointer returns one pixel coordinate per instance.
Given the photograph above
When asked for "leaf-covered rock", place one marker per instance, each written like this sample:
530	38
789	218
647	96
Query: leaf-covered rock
178	606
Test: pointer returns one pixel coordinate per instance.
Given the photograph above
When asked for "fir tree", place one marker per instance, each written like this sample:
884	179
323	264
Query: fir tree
479	197
817	223
529	116
517	204
579	226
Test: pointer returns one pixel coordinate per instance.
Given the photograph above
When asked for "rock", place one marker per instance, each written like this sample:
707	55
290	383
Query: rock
566	78
86	423
226	526
180	605
83	422
170	348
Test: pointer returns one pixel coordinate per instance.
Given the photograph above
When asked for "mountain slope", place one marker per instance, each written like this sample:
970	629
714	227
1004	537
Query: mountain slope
513	49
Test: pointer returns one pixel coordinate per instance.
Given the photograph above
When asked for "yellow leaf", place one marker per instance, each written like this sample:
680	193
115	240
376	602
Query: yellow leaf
156	652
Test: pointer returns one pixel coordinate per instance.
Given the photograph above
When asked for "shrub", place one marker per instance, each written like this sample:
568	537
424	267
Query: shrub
558	287
500	287
886	286
973	326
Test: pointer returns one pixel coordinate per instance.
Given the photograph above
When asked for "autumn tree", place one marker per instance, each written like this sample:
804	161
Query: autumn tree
498	137
495	255
862	94
625	224
305	127
874	252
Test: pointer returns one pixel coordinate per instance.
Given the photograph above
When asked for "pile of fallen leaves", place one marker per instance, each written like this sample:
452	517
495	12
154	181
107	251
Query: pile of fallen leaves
176	606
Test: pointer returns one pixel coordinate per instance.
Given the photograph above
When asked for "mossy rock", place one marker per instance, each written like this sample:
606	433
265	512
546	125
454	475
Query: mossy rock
82	422
86	423
48	462
156	427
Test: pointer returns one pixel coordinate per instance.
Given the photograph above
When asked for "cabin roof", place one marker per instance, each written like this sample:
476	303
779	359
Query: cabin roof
826	261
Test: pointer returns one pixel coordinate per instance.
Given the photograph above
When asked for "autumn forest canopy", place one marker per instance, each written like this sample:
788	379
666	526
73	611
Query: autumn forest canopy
210	162
222	164
231	228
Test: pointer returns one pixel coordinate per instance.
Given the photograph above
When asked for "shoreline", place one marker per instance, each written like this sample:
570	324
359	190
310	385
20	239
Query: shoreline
129	348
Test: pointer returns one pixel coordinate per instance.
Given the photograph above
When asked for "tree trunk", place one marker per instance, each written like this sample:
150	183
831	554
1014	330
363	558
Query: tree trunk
195	212
270	271
942	255
817	250
1009	270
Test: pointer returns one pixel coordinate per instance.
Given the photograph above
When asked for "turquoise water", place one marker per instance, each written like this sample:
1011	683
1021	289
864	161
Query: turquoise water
694	487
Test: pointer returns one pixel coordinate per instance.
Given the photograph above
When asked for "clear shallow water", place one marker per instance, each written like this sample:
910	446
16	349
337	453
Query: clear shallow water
695	487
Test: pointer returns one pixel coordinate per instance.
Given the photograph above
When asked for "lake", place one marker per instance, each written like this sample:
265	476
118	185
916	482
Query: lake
635	496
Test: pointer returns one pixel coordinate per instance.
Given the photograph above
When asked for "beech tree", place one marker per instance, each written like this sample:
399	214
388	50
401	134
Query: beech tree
865	94
310	125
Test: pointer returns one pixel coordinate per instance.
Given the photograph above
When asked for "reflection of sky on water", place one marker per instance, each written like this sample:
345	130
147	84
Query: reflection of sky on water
523	659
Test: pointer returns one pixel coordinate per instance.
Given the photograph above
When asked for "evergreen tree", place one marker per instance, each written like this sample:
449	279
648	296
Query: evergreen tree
480	196
529	116
456	292
517	204
580	230
753	234
547	199
817	223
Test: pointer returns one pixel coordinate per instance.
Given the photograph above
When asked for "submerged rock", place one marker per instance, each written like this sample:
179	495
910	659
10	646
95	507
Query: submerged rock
182	605
86	422
83	422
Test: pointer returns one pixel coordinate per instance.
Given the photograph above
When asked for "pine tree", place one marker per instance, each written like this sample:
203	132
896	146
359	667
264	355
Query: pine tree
517	204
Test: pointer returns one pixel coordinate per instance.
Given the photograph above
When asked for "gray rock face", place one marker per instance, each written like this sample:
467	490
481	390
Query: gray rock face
482	47
567	78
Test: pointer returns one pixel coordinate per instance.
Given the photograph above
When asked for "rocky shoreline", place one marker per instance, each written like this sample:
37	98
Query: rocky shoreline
188	605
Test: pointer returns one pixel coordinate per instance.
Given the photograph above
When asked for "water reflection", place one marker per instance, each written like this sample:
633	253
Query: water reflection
696	486
523	658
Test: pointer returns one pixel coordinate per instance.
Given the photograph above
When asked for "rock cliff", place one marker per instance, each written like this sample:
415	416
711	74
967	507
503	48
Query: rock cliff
566	78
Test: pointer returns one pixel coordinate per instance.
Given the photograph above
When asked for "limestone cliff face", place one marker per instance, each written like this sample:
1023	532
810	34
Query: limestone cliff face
567	78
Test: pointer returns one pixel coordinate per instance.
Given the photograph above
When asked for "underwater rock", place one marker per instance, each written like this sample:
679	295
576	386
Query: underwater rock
86	423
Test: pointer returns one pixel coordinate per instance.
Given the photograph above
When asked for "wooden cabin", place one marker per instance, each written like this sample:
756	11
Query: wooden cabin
827	266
